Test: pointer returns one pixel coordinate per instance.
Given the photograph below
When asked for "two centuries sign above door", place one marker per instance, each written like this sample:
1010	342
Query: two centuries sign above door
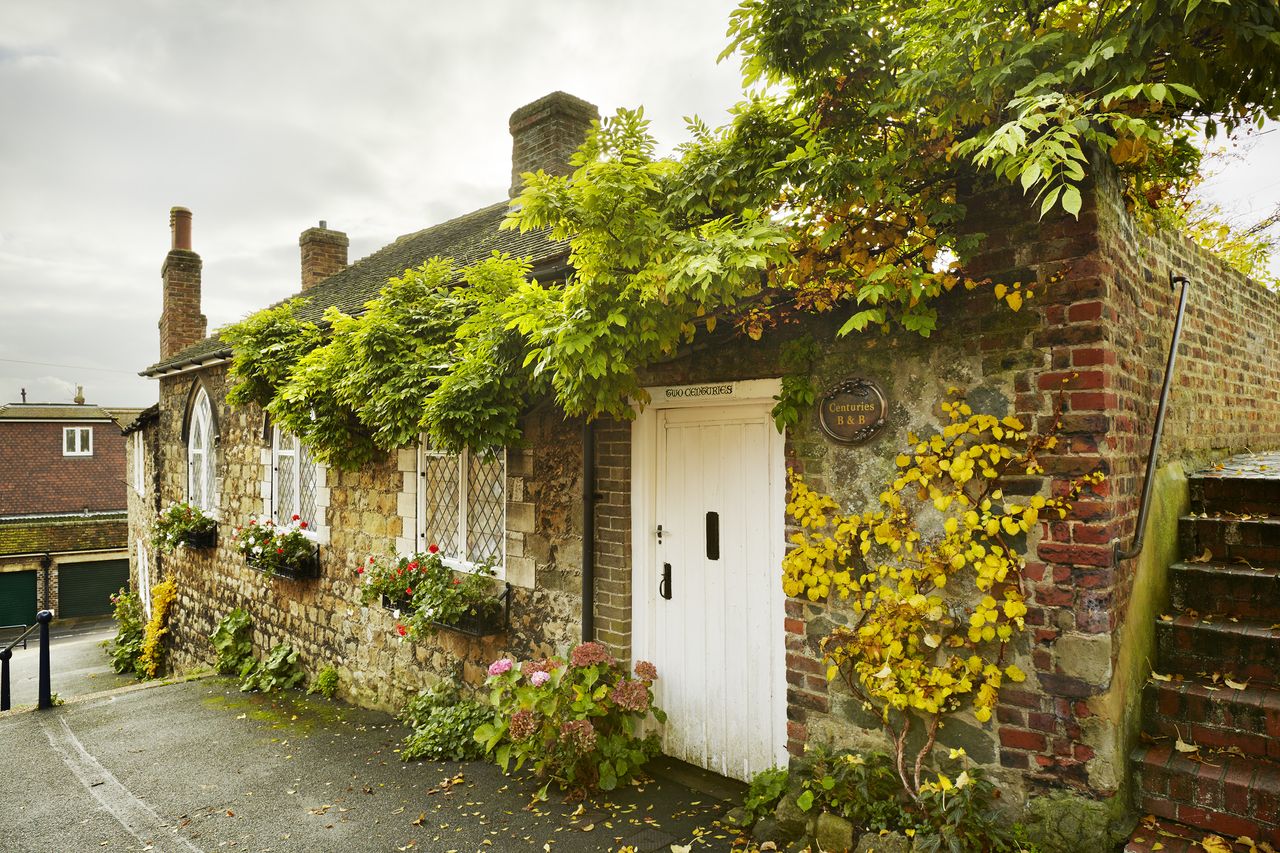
852	411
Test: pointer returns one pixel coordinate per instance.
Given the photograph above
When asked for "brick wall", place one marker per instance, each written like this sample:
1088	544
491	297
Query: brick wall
36	478
613	536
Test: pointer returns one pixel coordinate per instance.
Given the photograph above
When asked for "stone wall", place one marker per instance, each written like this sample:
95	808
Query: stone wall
323	618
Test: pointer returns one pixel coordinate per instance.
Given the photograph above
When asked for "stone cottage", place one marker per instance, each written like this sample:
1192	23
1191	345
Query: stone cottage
662	536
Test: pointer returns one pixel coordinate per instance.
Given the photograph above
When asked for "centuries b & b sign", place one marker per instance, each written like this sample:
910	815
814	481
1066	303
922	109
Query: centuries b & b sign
852	411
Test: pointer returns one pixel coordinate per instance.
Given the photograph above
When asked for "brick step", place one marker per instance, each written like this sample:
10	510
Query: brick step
1246	649
1258	494
1226	794
1230	539
1231	589
1154	834
1215	717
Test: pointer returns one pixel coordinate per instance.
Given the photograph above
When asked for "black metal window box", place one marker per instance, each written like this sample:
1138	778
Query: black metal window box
199	539
307	567
484	620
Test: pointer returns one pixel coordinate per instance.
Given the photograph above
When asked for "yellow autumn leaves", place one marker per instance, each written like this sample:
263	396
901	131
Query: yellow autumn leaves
932	574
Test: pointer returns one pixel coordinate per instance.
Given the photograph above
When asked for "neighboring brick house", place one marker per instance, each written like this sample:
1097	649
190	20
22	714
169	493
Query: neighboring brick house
63	542
741	676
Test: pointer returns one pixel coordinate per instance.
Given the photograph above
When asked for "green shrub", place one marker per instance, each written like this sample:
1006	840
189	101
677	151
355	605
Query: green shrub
126	649
951	815
764	792
576	723
279	670
444	726
232	643
325	683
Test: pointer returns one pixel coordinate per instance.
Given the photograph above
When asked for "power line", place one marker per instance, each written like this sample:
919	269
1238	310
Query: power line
70	366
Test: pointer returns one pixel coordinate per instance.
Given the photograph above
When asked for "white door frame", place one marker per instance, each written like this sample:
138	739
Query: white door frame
644	481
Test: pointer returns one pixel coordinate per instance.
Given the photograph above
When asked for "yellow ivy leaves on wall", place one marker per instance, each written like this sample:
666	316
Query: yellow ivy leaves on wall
933	575
163	595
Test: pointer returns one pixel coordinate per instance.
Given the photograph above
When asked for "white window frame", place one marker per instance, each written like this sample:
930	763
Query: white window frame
463	461
144	579
83	441
139	464
202	461
280	448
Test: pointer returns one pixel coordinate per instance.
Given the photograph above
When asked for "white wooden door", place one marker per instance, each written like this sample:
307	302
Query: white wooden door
717	622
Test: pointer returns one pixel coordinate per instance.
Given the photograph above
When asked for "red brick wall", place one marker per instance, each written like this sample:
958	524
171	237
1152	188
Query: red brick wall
181	323
1106	314
36	478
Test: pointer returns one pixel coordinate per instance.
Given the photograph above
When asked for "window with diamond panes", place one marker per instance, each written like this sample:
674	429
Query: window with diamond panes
462	505
293	475
202	482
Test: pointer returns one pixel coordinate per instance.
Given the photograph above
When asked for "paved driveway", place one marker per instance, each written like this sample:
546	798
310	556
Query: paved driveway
199	766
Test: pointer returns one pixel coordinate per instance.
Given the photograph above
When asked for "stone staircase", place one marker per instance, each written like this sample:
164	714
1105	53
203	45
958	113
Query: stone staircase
1223	624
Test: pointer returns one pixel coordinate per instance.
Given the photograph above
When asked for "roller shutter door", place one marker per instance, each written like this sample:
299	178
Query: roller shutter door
17	598
85	589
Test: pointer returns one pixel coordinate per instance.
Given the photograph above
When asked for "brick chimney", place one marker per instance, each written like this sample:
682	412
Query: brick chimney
181	323
545	134
324	253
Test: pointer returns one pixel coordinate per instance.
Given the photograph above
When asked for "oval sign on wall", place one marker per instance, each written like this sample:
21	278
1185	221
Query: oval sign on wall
853	411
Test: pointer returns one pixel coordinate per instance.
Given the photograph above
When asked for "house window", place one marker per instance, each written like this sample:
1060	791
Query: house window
144	580
202	489
139	464
462	506
77	441
293	480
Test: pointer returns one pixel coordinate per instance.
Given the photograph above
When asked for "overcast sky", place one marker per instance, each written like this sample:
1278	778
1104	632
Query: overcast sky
264	118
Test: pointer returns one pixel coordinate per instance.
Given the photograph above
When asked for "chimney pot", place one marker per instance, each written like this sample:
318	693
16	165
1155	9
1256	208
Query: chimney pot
545	133
180	225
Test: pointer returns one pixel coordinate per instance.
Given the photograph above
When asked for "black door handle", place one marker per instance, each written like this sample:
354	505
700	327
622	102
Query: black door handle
664	585
713	536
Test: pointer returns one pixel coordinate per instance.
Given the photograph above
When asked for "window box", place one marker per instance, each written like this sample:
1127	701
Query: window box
199	539
484	619
302	567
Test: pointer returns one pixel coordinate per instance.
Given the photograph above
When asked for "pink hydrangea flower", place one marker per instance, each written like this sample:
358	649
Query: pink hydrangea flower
631	696
579	733
523	725
540	678
587	654
500	666
646	670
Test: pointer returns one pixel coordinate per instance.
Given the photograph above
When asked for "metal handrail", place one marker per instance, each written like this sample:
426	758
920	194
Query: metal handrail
21	638
44	698
1140	532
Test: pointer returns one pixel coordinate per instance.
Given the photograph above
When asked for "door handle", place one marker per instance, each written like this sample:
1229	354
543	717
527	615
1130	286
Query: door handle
664	585
713	536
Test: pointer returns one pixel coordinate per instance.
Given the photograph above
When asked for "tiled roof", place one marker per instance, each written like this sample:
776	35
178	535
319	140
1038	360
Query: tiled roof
54	412
467	239
63	535
141	419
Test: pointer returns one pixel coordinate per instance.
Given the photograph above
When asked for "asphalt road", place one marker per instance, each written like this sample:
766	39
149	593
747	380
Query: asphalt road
199	766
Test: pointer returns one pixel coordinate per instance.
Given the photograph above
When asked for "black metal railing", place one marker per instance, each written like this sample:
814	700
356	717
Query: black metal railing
45	697
1145	507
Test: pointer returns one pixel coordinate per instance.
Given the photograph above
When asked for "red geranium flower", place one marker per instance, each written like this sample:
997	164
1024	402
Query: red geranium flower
360	570
296	517
400	629
408	590
303	525
433	547
279	550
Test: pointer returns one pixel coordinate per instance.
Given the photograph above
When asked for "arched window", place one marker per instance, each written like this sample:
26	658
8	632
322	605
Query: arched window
201	455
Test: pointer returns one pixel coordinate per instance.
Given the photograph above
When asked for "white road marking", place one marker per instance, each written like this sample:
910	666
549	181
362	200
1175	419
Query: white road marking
138	818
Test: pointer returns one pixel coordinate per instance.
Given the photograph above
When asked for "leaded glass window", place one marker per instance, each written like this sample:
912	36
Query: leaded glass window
462	505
